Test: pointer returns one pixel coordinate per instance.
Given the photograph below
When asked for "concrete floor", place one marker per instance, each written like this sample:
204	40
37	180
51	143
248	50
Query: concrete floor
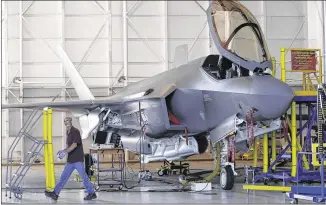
34	185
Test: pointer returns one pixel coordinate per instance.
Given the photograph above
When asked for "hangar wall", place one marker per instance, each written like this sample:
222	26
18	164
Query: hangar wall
95	38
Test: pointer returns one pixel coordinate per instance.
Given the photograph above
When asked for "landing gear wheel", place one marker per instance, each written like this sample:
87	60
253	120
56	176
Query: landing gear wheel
227	178
268	182
18	196
294	201
120	187
160	173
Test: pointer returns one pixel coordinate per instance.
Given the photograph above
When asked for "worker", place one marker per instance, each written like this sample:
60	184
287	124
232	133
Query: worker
75	160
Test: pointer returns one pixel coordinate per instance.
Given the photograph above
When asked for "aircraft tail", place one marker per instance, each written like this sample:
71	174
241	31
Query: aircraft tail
77	81
180	55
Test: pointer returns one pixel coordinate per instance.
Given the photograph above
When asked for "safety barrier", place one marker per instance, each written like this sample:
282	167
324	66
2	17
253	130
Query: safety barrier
48	149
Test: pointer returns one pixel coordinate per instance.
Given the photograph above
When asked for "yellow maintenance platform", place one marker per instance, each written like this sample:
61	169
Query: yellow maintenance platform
308	63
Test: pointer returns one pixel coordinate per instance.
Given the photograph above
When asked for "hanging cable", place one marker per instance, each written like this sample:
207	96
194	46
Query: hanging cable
142	133
250	128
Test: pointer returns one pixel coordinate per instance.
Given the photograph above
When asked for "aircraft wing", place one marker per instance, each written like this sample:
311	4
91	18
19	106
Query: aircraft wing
82	104
113	101
75	104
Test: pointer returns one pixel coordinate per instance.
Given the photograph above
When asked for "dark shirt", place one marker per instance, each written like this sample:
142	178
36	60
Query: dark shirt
77	155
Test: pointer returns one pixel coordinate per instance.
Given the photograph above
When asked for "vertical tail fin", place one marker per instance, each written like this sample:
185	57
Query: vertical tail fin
180	55
77	81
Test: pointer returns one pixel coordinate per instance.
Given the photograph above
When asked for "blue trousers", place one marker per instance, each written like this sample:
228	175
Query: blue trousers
69	168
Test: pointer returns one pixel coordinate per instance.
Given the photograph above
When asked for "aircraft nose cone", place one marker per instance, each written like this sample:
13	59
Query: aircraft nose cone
271	97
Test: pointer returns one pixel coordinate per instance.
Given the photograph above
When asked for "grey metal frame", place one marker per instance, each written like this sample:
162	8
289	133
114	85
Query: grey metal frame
13	180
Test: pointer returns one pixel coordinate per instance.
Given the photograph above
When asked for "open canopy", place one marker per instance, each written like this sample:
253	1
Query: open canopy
237	35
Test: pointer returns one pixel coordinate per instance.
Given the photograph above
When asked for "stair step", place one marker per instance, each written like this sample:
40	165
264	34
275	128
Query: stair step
30	152
25	163
16	178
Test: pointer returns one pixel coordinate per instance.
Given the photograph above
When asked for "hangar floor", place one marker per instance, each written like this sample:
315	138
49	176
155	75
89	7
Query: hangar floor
160	190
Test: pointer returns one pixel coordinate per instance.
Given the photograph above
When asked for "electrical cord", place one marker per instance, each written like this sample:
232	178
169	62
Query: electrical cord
142	134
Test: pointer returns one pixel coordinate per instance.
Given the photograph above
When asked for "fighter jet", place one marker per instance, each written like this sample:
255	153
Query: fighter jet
228	98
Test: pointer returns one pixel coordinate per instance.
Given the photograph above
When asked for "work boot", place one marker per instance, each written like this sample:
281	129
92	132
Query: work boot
51	194
90	196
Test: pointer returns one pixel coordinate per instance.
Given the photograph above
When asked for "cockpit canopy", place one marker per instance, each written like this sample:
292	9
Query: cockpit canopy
238	35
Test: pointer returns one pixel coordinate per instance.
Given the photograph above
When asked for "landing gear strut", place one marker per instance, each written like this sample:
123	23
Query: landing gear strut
222	166
227	174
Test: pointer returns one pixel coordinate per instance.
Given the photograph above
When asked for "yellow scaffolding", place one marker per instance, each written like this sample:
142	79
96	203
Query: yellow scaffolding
294	138
308	89
265	154
254	146
316	162
48	149
273	148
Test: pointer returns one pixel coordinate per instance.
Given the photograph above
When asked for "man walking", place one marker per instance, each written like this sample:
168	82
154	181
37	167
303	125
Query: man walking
75	160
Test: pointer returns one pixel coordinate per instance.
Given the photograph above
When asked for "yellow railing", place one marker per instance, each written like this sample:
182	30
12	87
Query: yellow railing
316	162
308	75
308	89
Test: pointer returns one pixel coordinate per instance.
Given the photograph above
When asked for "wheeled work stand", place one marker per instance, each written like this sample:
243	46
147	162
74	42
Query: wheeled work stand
115	153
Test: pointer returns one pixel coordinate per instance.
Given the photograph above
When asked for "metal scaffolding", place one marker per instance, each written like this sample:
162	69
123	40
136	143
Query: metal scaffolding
324	35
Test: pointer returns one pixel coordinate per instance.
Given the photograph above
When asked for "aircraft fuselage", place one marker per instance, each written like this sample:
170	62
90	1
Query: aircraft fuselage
198	101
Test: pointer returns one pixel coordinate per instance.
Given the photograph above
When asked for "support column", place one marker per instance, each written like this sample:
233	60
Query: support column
63	73
50	150
125	41
110	47
273	148
294	138
21	93
166	37
265	159
283	74
45	137
255	152
6	72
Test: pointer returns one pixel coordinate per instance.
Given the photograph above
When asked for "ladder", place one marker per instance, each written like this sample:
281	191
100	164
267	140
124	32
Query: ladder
13	181
321	112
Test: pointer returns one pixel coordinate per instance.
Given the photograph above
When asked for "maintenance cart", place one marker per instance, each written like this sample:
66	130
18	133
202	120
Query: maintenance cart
169	168
116	158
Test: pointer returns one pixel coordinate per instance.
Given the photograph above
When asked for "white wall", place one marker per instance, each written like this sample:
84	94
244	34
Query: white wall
42	73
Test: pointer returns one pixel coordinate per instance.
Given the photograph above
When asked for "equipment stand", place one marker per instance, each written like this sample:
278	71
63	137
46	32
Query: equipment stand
115	153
